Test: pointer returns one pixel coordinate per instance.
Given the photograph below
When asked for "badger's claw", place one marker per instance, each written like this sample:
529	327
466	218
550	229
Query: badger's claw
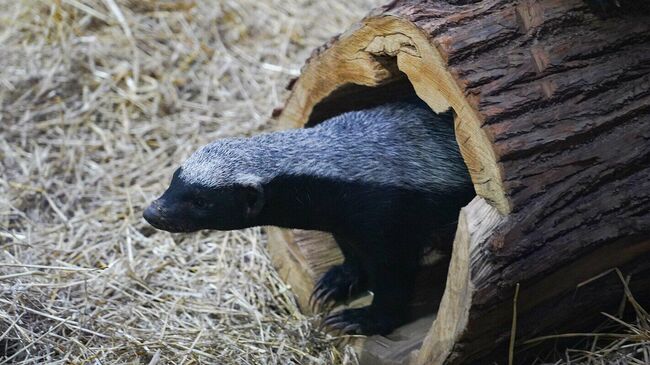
338	284
361	321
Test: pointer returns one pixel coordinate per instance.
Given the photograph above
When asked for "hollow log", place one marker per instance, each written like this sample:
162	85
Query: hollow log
552	116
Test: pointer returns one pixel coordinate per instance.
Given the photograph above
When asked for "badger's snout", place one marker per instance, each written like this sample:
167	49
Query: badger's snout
154	214
160	217
163	215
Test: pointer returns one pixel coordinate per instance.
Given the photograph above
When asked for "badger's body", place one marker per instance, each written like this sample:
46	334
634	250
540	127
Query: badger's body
385	181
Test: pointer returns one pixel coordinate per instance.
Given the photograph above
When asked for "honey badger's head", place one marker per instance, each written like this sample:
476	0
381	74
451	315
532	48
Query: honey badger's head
213	189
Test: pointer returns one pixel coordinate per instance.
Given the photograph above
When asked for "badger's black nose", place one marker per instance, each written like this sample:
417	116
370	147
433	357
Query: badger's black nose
153	214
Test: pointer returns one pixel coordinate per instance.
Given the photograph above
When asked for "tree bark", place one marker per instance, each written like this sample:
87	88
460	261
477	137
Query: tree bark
552	107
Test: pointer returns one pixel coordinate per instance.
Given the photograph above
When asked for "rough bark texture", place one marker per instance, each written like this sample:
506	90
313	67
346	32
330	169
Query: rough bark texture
553	120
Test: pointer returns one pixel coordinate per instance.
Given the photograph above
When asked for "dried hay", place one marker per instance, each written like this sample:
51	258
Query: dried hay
616	341
100	100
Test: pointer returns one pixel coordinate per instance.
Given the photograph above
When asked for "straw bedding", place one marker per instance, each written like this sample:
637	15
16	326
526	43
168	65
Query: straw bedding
100	100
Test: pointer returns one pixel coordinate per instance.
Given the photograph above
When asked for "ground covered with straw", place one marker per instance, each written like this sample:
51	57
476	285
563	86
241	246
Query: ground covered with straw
100	100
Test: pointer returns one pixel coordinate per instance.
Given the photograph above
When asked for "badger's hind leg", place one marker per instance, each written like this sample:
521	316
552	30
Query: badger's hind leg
340	282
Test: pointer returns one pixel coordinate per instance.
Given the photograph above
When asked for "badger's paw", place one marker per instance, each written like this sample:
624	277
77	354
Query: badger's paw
362	321
338	284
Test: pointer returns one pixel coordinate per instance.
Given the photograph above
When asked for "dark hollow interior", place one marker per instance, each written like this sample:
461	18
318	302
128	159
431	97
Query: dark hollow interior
352	97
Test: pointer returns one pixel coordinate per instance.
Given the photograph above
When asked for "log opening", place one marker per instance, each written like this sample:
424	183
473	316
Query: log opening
372	70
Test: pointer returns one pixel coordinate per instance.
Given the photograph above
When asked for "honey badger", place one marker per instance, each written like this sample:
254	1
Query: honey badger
384	181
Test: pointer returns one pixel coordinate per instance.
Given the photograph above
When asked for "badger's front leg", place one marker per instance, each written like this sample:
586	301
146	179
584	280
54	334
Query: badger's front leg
392	276
340	282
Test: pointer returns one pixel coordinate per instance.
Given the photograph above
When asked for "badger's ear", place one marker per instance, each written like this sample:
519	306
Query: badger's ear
253	194
254	198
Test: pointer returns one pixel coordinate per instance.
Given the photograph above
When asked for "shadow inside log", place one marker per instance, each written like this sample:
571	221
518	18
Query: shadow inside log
351	97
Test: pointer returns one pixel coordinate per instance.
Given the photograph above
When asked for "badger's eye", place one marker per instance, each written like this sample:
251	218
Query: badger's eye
200	203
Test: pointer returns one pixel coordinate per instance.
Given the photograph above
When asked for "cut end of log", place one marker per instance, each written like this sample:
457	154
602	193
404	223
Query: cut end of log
386	53
387	58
